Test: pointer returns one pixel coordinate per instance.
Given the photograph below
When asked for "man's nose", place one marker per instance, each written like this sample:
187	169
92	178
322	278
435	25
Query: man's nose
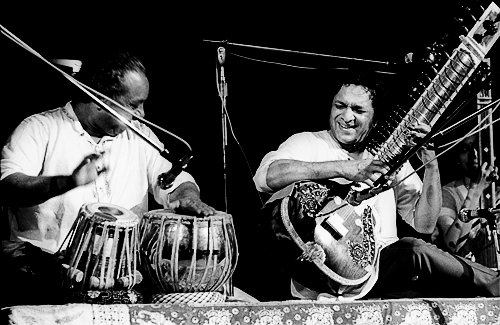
473	153
348	115
140	111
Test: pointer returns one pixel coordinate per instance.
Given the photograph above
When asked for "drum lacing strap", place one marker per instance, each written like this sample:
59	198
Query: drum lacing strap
85	228
157	257
111	275
227	268
123	254
135	244
90	234
101	249
192	268
209	258
72	235
175	257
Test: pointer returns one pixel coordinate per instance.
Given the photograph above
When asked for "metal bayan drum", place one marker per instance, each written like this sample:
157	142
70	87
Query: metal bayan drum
184	254
103	249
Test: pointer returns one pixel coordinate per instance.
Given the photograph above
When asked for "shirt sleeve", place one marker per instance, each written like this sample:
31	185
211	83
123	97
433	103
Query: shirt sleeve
296	147
24	150
451	200
407	192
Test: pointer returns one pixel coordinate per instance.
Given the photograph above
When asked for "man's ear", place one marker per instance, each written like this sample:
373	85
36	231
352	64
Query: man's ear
95	106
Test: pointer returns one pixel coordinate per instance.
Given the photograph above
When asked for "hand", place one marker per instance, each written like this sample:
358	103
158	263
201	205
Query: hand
366	170
426	153
192	205
484	176
88	170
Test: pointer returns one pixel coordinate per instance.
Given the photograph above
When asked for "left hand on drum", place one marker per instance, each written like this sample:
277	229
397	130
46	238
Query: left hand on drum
192	205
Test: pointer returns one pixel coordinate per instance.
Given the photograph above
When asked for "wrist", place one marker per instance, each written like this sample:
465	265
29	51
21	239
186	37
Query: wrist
65	183
474	191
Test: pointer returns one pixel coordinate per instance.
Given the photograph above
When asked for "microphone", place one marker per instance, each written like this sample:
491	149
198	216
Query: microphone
466	215
165	180
221	55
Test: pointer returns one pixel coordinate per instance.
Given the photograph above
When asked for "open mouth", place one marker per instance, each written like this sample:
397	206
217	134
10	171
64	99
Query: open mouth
346	126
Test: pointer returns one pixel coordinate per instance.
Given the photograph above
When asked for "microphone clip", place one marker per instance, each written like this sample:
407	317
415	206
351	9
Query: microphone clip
166	180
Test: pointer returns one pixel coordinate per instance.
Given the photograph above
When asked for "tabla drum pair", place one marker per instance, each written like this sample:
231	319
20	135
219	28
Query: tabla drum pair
102	250
187	254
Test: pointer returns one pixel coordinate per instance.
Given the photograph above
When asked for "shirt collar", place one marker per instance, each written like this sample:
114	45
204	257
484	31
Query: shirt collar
70	113
77	126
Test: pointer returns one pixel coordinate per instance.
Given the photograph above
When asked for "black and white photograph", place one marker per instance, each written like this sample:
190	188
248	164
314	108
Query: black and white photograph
245	163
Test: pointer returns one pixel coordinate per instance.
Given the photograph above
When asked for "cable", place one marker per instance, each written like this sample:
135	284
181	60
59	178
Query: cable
219	90
296	66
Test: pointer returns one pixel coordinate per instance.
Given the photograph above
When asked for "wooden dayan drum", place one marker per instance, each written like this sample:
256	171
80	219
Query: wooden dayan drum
183	254
103	249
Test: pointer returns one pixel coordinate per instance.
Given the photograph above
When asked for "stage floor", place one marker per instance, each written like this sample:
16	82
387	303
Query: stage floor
394	311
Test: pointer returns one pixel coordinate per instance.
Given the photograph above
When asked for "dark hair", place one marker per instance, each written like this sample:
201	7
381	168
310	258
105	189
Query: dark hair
372	82
105	73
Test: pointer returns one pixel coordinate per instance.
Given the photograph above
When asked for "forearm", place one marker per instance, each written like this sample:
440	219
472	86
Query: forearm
429	205
184	191
22	191
282	173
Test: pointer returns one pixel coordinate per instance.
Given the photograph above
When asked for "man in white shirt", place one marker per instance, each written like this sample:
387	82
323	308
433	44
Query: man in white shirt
56	161
339	154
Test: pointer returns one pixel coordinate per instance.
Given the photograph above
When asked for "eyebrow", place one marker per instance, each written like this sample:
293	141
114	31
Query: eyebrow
352	106
136	102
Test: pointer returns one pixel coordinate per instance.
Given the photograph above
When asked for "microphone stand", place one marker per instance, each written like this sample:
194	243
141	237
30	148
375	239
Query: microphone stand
493	230
221	55
223	94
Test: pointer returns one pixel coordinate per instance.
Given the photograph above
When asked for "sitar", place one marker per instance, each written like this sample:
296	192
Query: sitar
322	233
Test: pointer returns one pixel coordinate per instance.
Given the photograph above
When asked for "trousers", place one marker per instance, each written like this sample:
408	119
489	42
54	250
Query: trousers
412	268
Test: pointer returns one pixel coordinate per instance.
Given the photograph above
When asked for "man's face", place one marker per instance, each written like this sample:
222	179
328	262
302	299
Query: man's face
468	155
137	86
351	116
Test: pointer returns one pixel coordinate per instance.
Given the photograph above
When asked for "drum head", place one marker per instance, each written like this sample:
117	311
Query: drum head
170	214
107	212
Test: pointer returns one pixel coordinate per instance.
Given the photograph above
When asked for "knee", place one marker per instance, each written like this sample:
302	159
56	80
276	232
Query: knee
417	246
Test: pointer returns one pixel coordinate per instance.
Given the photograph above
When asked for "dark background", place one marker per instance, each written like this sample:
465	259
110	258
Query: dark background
266	102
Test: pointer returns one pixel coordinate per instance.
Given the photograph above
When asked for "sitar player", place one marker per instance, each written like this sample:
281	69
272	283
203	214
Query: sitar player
404	264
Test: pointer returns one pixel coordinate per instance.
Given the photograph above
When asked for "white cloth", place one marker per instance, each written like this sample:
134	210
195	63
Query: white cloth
54	143
321	147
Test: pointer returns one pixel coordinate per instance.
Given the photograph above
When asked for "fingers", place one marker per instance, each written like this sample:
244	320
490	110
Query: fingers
420	128
193	206
418	131
174	205
378	167
492	173
98	162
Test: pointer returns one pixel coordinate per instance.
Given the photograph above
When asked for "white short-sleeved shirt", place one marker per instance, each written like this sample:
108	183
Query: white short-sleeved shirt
320	147
54	143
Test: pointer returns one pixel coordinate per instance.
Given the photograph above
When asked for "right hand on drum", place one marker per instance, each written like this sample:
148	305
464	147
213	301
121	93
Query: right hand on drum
186	199
365	171
192	205
88	170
